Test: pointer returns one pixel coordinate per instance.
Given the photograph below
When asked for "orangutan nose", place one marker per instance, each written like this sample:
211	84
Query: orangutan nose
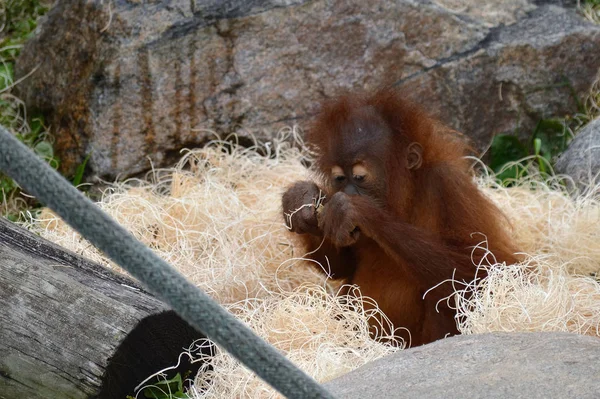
350	190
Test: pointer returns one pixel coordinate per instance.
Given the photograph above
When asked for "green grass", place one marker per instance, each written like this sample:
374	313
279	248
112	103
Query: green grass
590	9
163	388
18	20
512	158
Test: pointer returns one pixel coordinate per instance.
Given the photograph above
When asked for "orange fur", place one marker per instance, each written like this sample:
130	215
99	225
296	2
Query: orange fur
402	229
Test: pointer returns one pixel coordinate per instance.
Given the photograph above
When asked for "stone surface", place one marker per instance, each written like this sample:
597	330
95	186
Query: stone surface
130	80
581	161
499	365
516	76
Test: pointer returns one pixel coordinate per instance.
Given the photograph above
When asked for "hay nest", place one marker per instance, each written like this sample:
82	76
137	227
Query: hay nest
216	217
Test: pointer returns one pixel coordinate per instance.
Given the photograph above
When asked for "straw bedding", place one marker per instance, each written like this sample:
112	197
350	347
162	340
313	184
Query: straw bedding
216	217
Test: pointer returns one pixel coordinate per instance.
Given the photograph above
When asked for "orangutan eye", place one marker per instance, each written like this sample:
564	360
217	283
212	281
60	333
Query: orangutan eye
359	172
338	174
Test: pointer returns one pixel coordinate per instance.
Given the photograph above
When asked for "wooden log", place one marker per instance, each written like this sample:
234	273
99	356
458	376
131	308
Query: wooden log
70	328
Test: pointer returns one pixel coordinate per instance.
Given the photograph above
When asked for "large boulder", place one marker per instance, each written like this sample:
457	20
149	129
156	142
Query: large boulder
538	67
127	80
498	365
581	161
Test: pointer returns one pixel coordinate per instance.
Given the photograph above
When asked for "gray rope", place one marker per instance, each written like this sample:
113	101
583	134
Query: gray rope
191	303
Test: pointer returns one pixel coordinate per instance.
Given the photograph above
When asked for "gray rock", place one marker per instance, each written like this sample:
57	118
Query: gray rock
498	365
127	80
516	76
581	161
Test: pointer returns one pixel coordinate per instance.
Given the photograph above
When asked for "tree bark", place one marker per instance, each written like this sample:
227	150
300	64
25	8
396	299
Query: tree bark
63	319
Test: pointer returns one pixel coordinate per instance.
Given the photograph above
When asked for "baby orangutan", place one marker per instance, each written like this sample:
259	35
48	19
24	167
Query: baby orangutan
401	211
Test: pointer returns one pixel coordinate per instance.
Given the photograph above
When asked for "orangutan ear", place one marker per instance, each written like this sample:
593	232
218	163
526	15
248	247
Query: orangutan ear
414	156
